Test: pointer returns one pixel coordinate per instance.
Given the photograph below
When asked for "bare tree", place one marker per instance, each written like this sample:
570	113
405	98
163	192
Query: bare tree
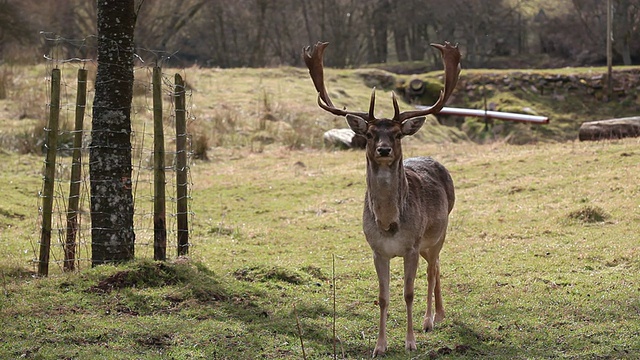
626	15
380	21
401	28
588	44
11	27
70	27
253	33
411	22
164	27
112	231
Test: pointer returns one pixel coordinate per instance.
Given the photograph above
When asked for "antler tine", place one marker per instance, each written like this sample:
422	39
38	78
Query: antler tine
396	108
313	58
372	104
451	59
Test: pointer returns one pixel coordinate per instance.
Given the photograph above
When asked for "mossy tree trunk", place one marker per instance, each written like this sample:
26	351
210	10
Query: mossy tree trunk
112	231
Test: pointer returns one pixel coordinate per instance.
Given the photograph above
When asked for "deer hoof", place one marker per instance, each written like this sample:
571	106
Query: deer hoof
410	345
379	350
427	325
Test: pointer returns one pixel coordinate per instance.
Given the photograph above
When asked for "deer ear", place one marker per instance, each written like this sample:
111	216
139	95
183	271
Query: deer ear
411	126
357	124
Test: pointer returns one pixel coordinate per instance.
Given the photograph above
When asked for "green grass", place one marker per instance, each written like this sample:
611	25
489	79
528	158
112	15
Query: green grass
253	108
541	261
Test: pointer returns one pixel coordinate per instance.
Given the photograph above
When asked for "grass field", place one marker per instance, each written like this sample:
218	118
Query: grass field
541	261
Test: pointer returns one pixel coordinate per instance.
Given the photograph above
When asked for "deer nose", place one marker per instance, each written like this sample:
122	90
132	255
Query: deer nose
384	151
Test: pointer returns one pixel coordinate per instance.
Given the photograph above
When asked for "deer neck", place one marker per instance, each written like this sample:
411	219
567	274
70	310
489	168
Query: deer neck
386	193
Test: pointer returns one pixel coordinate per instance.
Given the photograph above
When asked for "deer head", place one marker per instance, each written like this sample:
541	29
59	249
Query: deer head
383	135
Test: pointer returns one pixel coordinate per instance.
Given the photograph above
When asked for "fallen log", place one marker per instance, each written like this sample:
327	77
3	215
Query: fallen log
610	129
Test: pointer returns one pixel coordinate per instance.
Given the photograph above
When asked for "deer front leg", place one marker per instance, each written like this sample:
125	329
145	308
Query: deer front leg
382	269
437	290
410	269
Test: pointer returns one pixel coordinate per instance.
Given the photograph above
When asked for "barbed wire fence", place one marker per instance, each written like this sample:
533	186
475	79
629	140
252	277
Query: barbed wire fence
64	208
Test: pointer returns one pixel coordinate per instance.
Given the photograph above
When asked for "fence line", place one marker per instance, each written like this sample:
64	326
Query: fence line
76	168
182	169
49	175
159	207
70	227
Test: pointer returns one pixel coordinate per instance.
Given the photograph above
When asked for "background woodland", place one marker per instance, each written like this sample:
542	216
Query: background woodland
267	33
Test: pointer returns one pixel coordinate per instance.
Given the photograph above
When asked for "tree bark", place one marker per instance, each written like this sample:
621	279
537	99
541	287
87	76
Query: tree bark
307	22
400	31
623	30
259	44
380	24
112	231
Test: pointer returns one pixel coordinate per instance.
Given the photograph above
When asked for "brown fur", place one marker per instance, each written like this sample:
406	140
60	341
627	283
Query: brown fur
407	204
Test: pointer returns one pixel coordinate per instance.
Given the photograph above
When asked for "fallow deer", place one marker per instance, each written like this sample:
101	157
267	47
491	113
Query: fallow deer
407	203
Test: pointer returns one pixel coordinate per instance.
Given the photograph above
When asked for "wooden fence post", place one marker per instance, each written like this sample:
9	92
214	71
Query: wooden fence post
76	173
181	167
50	172
159	207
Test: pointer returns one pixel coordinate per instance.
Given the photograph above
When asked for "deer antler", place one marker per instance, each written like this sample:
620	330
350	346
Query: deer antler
313	59
451	59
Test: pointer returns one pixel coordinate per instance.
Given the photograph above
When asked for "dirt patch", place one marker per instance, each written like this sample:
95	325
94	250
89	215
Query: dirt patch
147	274
589	214
265	273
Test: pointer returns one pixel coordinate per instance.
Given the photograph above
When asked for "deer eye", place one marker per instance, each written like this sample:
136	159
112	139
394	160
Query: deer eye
399	135
369	136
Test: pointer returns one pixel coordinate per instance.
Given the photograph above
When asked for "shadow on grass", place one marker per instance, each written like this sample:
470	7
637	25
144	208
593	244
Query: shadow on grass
256	297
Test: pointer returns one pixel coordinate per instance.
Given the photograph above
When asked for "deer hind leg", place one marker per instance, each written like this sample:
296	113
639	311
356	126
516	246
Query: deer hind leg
432	256
438	295
410	269
382	269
